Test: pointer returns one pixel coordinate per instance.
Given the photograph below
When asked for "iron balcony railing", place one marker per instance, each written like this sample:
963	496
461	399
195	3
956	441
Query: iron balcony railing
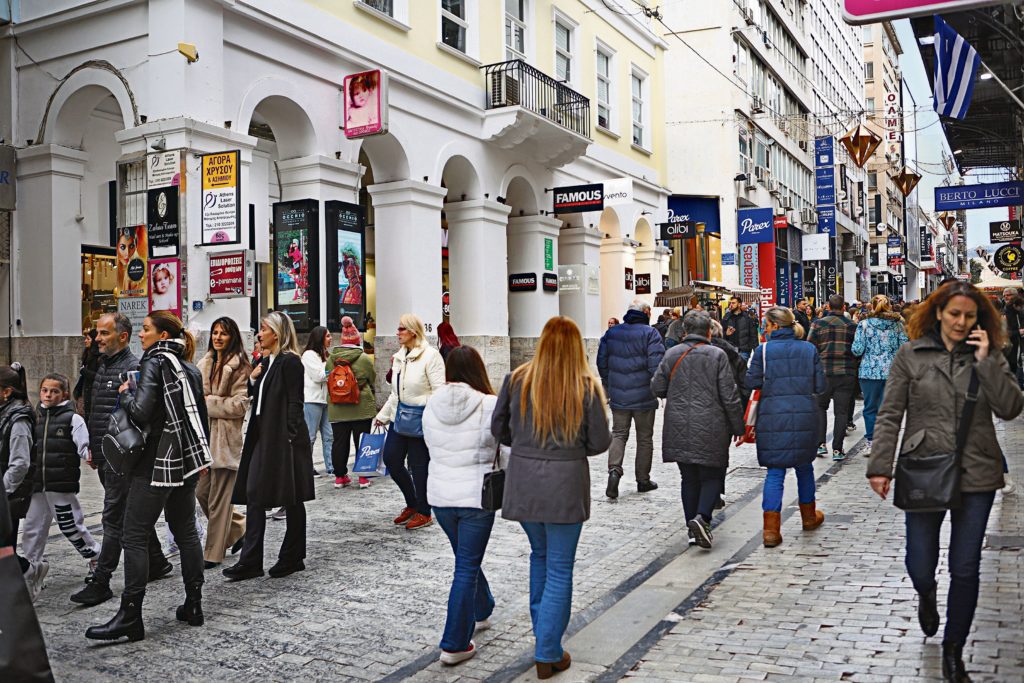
516	83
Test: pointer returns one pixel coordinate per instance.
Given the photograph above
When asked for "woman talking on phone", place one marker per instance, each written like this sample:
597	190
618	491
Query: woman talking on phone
956	337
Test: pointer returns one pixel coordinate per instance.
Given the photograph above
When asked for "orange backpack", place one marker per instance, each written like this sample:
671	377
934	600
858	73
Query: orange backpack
342	385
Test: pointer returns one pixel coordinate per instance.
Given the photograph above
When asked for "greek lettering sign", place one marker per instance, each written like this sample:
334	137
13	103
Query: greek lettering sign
1004	231
643	283
754	226
522	282
221	210
550	282
576	198
162	221
979	196
163	169
231	274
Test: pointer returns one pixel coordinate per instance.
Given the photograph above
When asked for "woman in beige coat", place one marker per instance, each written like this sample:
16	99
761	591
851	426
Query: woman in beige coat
225	369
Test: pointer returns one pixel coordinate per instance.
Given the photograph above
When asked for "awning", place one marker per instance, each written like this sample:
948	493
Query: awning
675	298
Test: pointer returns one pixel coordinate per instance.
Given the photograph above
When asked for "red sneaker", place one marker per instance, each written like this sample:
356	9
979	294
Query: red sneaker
364	483
407	513
418	521
342	482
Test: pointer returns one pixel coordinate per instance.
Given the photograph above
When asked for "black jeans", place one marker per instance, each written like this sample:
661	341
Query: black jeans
115	500
840	389
346	433
701	486
414	485
965	541
145	503
293	548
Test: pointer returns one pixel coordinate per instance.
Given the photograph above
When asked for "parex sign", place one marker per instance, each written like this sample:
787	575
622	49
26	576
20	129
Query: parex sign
755	226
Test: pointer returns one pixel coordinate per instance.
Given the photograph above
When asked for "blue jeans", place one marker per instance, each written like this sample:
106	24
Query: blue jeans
469	599
316	419
874	391
775	483
965	542
552	557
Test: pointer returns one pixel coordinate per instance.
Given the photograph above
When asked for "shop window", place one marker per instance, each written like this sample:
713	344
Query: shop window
99	281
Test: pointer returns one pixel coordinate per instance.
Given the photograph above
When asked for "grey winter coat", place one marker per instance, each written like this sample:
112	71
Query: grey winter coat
545	482
703	410
928	384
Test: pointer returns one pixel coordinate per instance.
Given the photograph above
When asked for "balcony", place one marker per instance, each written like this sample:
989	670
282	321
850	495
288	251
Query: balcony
527	108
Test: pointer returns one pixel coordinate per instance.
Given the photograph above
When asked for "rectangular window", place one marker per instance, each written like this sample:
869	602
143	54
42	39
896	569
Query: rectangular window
454	24
604	90
873	181
869	71
563	52
637	90
515	29
385	6
869	106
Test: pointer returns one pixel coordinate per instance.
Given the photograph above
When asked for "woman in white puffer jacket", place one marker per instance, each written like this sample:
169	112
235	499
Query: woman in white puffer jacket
456	427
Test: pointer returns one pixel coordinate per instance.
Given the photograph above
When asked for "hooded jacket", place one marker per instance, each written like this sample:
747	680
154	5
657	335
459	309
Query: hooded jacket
876	342
457	429
627	359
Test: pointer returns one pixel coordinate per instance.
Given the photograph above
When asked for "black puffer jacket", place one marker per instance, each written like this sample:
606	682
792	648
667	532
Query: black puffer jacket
744	336
58	466
104	397
738	365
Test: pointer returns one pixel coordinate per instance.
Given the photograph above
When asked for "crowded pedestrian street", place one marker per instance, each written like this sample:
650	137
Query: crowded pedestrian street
834	604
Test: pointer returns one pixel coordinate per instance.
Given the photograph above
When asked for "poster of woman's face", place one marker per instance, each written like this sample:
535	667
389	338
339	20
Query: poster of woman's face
131	261
365	98
165	285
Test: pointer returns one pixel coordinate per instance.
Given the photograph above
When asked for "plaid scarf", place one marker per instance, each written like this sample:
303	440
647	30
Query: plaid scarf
183	449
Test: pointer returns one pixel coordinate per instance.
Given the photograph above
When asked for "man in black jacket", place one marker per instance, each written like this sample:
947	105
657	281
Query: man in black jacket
802	317
113	331
740	329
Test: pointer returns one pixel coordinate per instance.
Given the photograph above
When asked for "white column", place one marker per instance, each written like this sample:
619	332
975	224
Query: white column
582	247
617	254
651	259
528	311
477	272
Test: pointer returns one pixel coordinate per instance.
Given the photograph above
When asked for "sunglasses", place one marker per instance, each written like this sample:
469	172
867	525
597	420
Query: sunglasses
401	329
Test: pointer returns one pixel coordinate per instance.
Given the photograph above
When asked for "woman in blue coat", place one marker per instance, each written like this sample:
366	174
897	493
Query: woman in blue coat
788	373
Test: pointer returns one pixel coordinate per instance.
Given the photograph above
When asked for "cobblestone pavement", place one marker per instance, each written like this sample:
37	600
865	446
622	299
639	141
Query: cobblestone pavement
371	604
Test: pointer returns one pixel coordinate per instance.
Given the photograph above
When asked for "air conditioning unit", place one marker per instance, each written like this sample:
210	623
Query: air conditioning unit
808	217
504	90
757	105
804	144
751	184
773	187
784	126
761	174
787	202
748	15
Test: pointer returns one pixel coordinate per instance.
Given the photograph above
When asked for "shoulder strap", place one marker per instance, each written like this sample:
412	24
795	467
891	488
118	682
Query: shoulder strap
685	354
967	416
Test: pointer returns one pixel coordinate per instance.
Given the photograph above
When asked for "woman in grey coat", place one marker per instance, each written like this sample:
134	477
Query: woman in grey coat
551	412
702	414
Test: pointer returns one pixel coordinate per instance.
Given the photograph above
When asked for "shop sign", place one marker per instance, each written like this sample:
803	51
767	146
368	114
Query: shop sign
831	279
135	308
814	247
797	280
1009	258
1004	231
629	278
165	285
780	222
570	278
782	282
549	254
894	242
754	226
576	198
859	12
593	280
894	127
692	210
8	178
899	279
365	104
162	221
825	186
767	275
231	274
680	230
163	169
522	282
896	261
728	259
618	191
827	220
221	212
643	283
748	265
346	263
549	282
665	282
296	253
132	254
979	196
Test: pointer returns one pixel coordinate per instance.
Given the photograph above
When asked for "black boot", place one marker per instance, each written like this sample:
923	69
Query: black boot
928	612
93	594
953	670
127	622
192	610
613	484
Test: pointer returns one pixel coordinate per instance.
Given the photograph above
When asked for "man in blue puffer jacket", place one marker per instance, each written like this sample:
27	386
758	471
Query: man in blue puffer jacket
627	359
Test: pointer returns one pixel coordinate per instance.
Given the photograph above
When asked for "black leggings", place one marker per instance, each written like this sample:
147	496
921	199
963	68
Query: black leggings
346	433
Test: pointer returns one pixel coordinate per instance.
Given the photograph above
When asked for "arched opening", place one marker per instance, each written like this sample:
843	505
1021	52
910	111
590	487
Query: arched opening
458	268
618	266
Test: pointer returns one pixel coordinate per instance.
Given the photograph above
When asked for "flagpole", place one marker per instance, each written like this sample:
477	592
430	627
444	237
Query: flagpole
1003	85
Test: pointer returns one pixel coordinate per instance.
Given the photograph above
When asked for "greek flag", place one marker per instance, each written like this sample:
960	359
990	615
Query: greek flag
956	65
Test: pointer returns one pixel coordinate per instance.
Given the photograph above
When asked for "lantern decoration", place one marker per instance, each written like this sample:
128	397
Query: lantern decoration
861	143
948	220
907	180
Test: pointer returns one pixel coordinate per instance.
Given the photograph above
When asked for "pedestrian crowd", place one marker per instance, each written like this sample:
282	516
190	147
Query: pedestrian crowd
236	429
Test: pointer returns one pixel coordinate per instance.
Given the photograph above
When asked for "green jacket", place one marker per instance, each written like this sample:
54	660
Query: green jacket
362	367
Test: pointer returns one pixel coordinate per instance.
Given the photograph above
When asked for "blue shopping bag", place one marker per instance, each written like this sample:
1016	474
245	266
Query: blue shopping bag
370	458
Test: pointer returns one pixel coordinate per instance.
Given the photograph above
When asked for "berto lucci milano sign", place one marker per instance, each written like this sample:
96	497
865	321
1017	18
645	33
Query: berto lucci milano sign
979	196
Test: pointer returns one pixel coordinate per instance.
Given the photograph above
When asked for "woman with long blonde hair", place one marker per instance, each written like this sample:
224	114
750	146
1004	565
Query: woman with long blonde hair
551	412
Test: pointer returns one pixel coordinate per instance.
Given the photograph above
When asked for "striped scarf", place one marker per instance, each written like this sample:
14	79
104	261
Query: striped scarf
183	449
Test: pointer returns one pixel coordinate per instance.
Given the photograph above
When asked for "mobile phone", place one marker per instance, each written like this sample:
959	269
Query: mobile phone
133	380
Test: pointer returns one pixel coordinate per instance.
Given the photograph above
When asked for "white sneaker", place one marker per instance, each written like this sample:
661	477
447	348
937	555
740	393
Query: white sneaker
482	625
34	579
867	448
1009	485
453	658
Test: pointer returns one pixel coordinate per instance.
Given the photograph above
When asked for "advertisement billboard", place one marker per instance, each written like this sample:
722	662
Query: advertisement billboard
132	252
165	285
221	211
346	263
365	108
296	259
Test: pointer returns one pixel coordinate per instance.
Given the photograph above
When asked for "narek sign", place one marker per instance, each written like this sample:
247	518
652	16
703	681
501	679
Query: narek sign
981	196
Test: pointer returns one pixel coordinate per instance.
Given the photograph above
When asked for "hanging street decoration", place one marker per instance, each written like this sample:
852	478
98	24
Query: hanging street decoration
907	180
861	143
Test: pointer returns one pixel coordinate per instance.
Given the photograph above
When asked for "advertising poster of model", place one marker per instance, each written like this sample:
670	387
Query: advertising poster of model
365	104
165	285
346	263
295	262
132	250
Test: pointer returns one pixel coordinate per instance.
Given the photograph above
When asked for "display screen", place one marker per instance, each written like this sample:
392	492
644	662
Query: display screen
295	262
347	266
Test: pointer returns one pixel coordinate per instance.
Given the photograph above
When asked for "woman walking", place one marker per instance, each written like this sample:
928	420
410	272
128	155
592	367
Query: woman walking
551	412
87	373
350	415
880	334
788	373
457	429
417	371
447	339
277	459
314	393
225	369
956	350
17	428
702	412
167	404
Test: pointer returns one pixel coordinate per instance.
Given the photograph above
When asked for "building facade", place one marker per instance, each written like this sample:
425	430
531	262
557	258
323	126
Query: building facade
445	211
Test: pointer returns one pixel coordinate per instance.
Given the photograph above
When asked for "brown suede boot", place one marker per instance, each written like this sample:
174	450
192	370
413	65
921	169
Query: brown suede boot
772	524
812	517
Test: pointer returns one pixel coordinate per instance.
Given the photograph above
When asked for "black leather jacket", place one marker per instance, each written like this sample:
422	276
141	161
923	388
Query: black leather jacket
104	396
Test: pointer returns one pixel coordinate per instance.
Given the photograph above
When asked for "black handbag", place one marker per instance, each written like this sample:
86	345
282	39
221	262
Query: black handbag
494	484
124	441
931	483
